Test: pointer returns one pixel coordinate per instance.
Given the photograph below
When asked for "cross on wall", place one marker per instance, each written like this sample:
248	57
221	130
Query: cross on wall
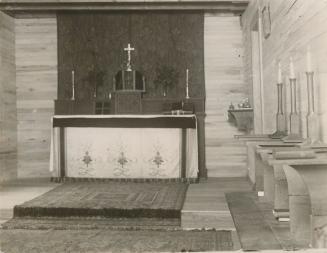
129	49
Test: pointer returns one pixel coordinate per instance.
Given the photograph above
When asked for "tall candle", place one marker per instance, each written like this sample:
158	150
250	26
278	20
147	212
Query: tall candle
292	73
309	63
73	84
280	78
187	95
186	77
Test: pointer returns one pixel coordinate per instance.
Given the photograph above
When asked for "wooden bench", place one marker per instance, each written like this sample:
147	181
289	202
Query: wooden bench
254	161
307	188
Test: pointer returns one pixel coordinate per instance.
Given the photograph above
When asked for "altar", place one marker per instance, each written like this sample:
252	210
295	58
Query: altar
124	146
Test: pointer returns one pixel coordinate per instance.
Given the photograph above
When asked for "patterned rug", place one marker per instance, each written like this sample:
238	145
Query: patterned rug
50	241
108	199
254	232
76	223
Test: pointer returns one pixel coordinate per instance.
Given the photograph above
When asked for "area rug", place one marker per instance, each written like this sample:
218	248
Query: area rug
50	241
77	223
108	199
253	231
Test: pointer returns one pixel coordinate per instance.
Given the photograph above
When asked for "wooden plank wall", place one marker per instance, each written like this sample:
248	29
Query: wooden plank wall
294	26
36	69
8	113
225	156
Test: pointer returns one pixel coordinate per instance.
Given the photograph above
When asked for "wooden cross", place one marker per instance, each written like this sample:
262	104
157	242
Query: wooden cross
129	49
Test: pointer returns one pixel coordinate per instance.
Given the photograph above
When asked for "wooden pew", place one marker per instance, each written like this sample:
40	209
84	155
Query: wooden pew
275	186
307	188
256	164
255	171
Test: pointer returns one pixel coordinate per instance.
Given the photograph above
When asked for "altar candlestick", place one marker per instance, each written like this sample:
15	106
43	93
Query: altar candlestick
187	77
309	63
280	78
187	95
73	84
292	73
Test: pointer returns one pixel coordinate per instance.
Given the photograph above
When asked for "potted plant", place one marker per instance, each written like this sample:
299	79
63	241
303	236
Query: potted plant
166	77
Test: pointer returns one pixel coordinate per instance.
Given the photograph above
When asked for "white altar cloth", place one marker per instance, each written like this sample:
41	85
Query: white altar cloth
124	152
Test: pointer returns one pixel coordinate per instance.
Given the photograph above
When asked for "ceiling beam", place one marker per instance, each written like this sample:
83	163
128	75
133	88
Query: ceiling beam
15	7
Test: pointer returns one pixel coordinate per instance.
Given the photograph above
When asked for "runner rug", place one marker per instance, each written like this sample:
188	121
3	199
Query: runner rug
253	231
108	199
50	241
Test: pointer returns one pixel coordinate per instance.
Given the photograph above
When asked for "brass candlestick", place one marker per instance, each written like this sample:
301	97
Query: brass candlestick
312	117
295	134
73	85
281	130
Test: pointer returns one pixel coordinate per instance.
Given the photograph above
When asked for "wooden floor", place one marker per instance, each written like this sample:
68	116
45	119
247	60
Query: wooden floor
19	192
205	205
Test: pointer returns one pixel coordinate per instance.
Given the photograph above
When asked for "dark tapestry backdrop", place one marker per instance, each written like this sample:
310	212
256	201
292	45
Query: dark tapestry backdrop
92	45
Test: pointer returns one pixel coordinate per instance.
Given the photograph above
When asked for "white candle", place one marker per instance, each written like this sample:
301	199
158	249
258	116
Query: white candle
73	84
292	72
187	95
280	78
309	63
186	77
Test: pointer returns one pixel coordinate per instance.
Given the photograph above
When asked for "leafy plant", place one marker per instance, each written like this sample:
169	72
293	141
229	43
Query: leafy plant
166	77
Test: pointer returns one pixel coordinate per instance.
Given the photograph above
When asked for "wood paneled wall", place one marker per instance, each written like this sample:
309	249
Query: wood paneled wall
225	156
294	26
36	59
8	113
36	70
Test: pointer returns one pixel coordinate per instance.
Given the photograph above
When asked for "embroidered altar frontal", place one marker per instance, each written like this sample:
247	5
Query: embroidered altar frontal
129	146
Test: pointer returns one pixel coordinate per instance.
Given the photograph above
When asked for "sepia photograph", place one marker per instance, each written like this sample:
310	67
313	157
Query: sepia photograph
163	126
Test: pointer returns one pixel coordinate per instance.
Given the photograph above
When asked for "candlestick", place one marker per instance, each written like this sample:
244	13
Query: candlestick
281	127
309	63
292	72
294	119
187	94
313	135
73	85
186	76
280	78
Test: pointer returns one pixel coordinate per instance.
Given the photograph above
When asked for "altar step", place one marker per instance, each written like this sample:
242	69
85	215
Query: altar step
107	200
205	206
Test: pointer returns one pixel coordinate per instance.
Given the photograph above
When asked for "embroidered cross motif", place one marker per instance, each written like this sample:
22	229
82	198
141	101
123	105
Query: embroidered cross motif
158	159
87	159
122	160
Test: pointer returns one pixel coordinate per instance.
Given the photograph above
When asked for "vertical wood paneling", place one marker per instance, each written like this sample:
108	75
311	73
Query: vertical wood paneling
36	70
225	156
295	25
8	113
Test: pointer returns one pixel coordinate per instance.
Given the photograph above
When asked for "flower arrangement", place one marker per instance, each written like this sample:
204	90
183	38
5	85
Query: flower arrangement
166	77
